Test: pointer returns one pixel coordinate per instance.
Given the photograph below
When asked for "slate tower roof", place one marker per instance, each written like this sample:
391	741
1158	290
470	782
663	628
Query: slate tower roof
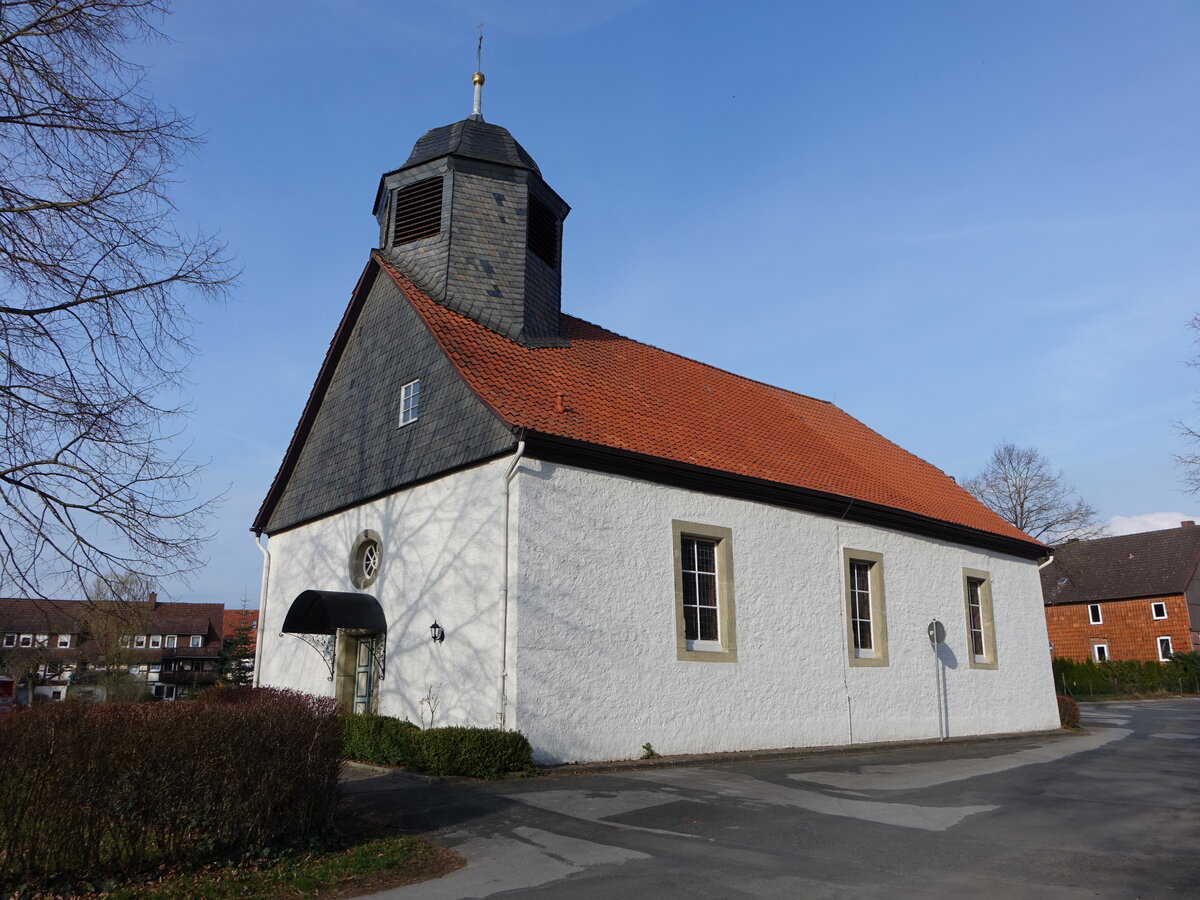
469	218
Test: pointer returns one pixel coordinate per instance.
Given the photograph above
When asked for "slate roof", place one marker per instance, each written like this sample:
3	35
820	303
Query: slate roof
472	138
614	392
1149	564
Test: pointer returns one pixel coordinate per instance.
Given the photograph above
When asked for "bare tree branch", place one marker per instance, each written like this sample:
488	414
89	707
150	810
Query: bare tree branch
1019	485
95	281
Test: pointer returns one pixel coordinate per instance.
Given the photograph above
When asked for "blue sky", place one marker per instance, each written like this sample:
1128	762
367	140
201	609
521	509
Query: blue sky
962	222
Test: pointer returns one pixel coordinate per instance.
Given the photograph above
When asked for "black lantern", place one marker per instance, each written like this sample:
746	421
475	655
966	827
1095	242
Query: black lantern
437	632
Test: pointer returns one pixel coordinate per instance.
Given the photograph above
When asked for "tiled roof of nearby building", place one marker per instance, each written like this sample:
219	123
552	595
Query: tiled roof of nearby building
25	614
1150	564
236	618
611	391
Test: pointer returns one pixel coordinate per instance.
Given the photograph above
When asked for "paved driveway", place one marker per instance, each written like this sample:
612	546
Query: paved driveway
1112	813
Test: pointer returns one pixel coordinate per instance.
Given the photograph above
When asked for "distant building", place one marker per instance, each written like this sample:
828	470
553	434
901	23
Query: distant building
170	648
1135	596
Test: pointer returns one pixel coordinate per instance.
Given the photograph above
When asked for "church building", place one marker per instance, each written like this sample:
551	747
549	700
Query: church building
496	514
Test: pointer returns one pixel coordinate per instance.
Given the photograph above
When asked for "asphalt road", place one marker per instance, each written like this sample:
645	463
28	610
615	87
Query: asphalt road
1114	812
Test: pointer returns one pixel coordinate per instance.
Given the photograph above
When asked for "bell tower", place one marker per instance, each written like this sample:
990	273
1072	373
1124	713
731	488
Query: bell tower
469	219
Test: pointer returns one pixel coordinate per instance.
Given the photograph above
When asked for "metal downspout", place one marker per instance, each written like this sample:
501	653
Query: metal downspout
503	686
262	606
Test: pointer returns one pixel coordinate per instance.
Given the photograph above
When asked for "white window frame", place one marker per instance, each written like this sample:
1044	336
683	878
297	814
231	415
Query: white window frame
170	641
64	641
724	648
977	595
870	563
410	402
139	642
155	641
196	642
41	640
1096	652
1094	615
26	640
1165	638
1156	607
10	639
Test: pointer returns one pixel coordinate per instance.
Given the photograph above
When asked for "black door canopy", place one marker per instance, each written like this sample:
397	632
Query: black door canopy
324	612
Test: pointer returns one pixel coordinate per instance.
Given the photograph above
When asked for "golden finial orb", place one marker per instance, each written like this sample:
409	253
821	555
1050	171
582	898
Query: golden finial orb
477	78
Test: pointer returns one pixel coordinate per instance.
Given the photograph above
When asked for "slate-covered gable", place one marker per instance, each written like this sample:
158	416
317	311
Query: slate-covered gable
354	448
1149	564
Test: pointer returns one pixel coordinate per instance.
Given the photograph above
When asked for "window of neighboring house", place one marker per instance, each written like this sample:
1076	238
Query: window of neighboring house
139	641
1094	617
1164	648
865	611
171	639
64	640
155	667
1100	652
27	640
133	670
1158	610
410	402
197	640
42	640
981	628
704	608
126	640
10	640
156	640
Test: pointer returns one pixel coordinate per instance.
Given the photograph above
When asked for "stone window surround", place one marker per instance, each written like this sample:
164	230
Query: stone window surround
987	620
726	618
879	638
359	576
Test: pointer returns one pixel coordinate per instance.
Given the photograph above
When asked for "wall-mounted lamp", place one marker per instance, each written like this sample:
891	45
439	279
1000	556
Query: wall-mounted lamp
437	632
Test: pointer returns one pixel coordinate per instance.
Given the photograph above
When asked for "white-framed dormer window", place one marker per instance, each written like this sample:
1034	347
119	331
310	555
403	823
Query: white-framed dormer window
139	641
10	639
156	640
197	640
1158	610
1100	652
410	402
1094	617
1164	648
26	640
64	640
171	641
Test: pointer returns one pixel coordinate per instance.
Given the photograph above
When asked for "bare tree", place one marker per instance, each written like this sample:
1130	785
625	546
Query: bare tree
1191	459
1019	485
94	284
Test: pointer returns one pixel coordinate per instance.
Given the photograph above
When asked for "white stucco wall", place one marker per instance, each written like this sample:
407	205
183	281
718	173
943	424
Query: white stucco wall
441	545
596	673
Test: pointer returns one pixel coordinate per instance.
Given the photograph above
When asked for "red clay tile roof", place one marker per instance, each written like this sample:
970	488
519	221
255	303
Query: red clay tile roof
609	390
234	618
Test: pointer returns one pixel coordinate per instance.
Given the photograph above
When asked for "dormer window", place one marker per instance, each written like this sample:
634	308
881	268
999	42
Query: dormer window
410	402
417	212
542	232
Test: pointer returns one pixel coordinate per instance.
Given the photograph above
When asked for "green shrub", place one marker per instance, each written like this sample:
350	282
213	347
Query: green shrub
382	740
478	752
1068	712
121	788
1127	676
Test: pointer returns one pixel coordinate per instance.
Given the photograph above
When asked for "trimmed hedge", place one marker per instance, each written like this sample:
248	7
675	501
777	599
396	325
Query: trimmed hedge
119	788
382	740
1180	674
457	750
1068	712
478	752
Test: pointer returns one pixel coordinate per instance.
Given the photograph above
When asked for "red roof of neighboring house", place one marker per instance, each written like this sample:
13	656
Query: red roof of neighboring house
235	618
611	391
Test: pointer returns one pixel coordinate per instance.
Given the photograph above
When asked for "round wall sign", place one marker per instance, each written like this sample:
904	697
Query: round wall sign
937	632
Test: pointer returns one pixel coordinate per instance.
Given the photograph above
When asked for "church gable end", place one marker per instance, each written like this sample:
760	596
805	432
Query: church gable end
356	447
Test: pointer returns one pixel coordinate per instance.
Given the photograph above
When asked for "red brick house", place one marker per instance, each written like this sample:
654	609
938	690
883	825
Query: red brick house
1135	596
